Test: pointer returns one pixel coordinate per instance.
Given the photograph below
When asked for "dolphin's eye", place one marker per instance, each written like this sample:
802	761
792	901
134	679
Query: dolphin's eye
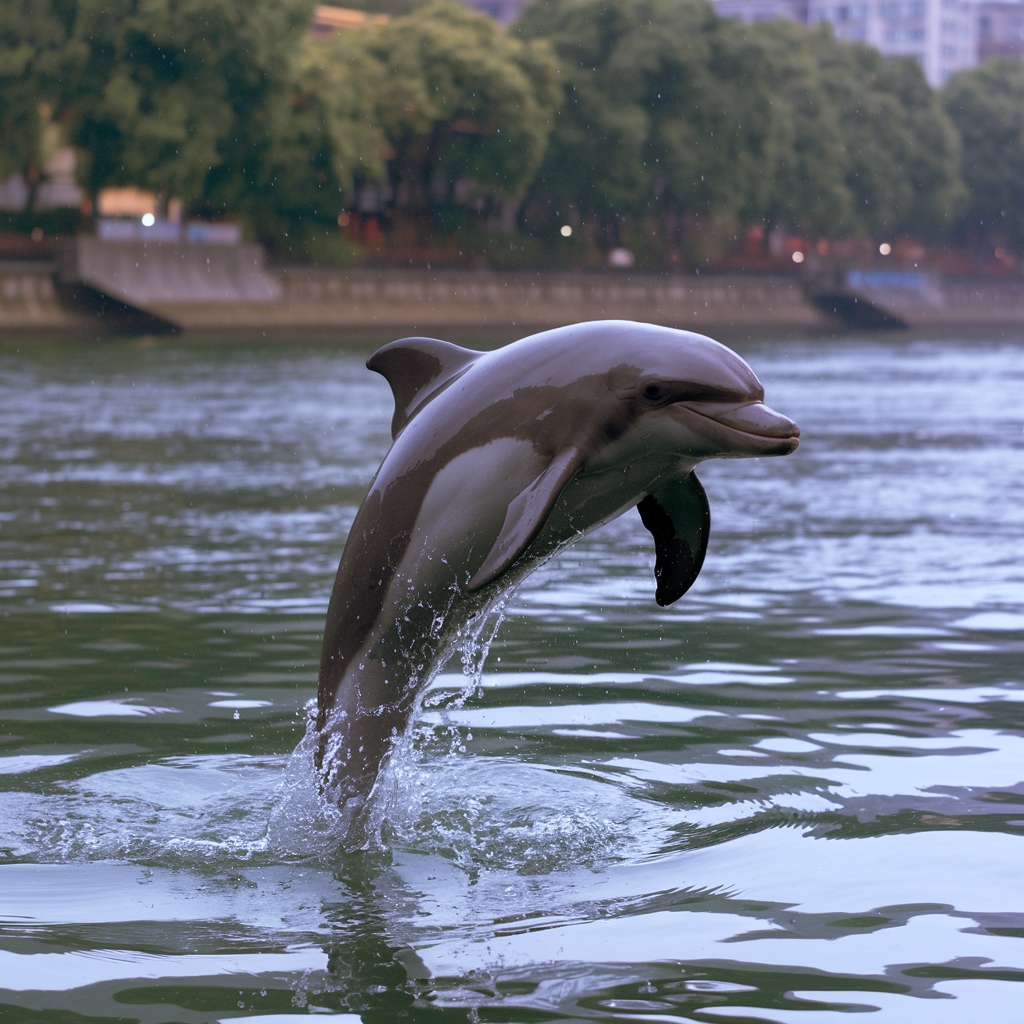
654	392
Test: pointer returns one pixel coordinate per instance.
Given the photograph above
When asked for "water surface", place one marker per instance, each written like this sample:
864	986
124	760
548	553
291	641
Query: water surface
797	793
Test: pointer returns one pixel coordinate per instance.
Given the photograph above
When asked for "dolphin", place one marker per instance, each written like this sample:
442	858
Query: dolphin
498	460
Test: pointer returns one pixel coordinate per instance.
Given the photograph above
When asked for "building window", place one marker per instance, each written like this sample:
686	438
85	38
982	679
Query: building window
905	35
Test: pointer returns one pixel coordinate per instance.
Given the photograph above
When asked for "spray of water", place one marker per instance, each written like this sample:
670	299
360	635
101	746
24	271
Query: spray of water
432	796
308	823
472	641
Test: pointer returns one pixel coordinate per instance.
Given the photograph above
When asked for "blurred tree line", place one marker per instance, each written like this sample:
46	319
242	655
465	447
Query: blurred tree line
650	123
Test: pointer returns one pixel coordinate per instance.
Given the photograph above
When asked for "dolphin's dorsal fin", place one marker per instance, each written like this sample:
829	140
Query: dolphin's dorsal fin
526	514
677	515
418	369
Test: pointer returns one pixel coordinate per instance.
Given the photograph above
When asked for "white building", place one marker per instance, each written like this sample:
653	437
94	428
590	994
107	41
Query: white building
940	34
1000	29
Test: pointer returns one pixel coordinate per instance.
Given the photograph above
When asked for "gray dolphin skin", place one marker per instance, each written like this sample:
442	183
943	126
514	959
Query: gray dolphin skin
499	459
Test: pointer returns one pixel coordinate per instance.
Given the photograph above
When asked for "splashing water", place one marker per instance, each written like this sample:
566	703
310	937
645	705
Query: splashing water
401	774
312	823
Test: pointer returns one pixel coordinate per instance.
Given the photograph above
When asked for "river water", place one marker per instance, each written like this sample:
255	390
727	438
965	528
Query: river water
797	793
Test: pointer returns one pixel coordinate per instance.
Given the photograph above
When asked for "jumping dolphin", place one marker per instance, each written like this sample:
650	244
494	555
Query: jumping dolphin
498	459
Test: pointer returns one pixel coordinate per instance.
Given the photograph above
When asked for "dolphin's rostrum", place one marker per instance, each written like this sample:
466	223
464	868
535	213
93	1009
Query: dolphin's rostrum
499	458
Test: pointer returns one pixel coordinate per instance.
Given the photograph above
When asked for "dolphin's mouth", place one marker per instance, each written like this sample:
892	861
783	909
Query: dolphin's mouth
754	428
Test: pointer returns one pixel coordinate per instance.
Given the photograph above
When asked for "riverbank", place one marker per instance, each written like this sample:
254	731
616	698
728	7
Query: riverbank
101	288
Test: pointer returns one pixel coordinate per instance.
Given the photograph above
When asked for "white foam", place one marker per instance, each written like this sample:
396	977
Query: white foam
110	708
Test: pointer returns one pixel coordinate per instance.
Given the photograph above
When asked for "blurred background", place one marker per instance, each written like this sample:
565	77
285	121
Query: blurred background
654	134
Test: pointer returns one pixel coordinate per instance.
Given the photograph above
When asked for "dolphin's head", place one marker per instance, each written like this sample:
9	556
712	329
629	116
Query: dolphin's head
705	401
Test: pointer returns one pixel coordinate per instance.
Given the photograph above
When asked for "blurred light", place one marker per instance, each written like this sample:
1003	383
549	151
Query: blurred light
343	220
620	257
565	231
1000	253
798	257
148	220
37	234
885	248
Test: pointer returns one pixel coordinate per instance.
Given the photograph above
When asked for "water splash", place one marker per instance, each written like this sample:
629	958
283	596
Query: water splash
195	812
305	820
404	764
473	641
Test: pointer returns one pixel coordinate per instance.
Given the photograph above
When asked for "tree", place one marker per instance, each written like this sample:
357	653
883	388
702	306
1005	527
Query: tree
322	139
465	108
987	106
902	152
804	175
658	111
860	142
179	96
32	37
673	113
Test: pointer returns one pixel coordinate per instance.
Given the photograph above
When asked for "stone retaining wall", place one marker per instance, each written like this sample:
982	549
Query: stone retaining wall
223	290
29	300
368	303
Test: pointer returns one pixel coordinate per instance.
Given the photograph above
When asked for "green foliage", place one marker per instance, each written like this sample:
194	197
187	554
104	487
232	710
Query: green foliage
860	141
321	138
803	180
987	106
650	122
32	39
902	153
670	110
458	99
394	8
179	96
658	109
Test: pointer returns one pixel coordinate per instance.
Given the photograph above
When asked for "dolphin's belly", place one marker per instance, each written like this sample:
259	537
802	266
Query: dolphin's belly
591	499
458	521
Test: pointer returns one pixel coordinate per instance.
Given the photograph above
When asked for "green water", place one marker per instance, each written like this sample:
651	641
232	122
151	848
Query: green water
795	794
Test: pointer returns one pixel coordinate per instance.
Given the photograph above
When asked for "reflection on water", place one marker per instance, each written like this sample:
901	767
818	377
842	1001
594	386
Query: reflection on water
799	793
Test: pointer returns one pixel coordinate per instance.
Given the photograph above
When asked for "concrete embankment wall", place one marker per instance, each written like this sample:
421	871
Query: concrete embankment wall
31	301
103	286
227	290
943	302
148	276
386	303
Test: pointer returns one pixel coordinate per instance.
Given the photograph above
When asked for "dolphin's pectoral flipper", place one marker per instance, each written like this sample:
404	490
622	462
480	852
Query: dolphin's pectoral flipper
679	519
418	369
526	515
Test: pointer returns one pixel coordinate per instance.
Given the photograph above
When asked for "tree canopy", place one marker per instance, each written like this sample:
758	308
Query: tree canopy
987	106
179	96
671	109
463	105
634	115
33	38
